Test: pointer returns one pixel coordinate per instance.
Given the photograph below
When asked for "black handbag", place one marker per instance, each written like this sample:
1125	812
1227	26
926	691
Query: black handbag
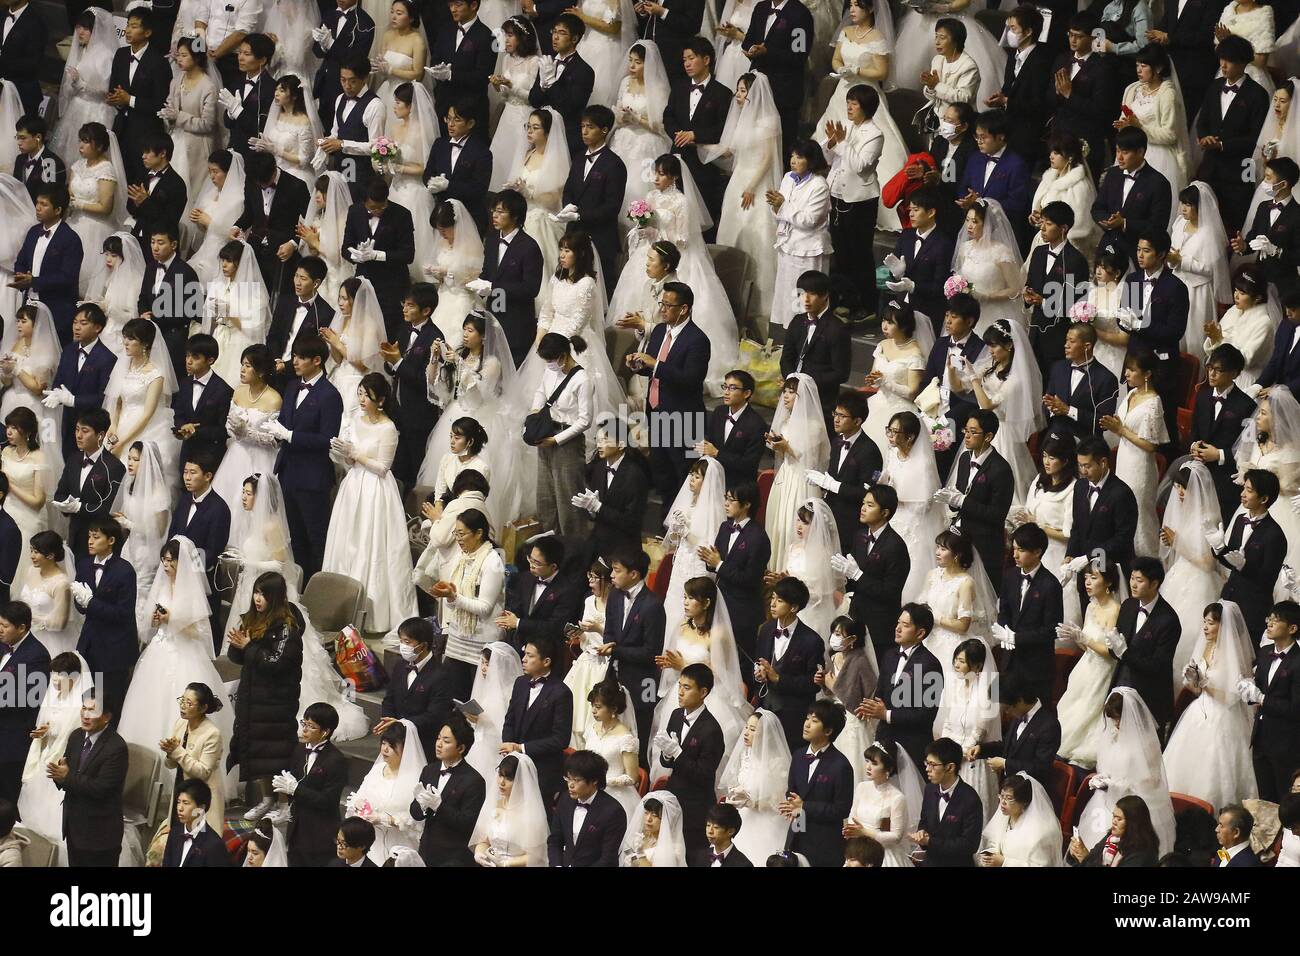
539	425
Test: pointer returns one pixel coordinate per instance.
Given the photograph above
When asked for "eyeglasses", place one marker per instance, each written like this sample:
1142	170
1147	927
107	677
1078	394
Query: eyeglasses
728	387
675	306
894	432
933	765
837	415
972	431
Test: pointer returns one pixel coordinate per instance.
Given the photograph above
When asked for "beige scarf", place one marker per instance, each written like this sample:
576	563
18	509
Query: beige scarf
467	575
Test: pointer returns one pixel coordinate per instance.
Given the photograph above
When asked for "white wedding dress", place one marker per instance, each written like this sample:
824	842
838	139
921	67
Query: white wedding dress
612	746
1079	709
883	813
43	596
542	228
637	145
1055	509
91	228
250	452
135	392
890	397
508	139
1137	468
917	521
993	272
27	473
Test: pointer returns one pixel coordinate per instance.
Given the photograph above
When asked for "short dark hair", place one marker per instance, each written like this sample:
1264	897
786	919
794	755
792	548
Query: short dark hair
552	549
853	402
1235	49
1060	213
792	591
830	714
18	614
945	750
358	834
700	47
1029	18
814	281
203	346
260	45
745	493
32	125
598	113
1229	358
965	305
1030	537
685	295
1239	818
993	122
886	497
1149	567
745	379
315	267
866	97
513	202
986	418
204	458
1284	167
1265	483
198	791
309	346
323	715
1130	138
461	729
921	615
724	815
1094	447
91	312
865	850
633	559
702	674
587	765
1155	235
1012	689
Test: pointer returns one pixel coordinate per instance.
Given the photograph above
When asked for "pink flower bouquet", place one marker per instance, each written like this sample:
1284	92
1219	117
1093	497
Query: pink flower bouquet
954	285
640	212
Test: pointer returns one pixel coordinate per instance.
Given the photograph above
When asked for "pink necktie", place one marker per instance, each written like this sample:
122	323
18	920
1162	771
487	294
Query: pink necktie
664	347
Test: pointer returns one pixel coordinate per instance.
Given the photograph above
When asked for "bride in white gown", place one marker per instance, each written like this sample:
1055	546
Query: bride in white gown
115	286
143	508
611	28
413	124
969	713
538	172
910	470
180	652
816	538
353	338
384	797
692	522
402	54
1128	762
611	732
96	193
988	257
289	23
1007	380
84	91
1079	709
493	682
40	803
19	215
251	451
639	137
292	129
887	804
56	622
213	214
237	310
511	829
1025	831
457	261
29	354
367	537
1193	578
511	83
754	777
1208	755
897	367
654	833
322	233
1271	440
138	396
799	440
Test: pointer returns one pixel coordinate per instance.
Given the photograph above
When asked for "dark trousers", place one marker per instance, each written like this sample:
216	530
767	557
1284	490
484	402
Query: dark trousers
1272	775
308	515
411	443
11	779
853	231
301	858
96	858
113	686
1049	345
694	814
462	675
668	468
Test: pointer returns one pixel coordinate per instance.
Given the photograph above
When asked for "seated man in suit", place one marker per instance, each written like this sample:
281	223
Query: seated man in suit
854	464
721	824
634	635
170	294
926	252
739	556
817	343
1274	698
419	689
617	486
191	842
158	200
202	516
48	265
35	165
90	480
691	747
733	431
1217	418
542	599
1146	637
539	716
564	81
1134	196
82	375
1032	737
449	798
911	686
460	163
353	842
314	783
1252	549
1283	366
819	788
274	202
1080	391
588	824
202	401
1104	514
979	492
1275	234
786	657
876	568
512	263
952	816
105	593
1029	609
955	352
92	775
1233	833
1056	279
597	178
995	172
11	544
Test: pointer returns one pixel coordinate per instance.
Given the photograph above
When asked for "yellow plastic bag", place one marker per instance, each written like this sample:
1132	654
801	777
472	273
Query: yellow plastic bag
764	363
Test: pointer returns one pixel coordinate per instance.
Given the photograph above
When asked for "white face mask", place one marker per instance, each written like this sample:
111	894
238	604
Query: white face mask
947	130
554	366
407	652
837	642
1268	189
1014	40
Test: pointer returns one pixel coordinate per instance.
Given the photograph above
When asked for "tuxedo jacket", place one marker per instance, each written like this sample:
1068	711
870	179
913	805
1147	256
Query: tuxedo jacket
208	849
92	793
544	728
827	799
961	404
445	838
149	90
468	180
319	316
1030	750
411	375
983	511
209	529
11	548
733	858
1191	41
878	594
1148	206
679	24
622	502
1276	723
602	832
707	122
20	710
168	307
426	703
1069	273
515	272
1283	233
696	767
560	604
366	862
251	120
912	701
681	375
353	38
1252	586
1031	99
951	164
303	463
56	286
1087	112
1096	396
45	169
1238	128
1283	366
1148	661
599	198
794	692
97	493
21	57
395	237
108	636
164	206
1167	310
1222	433
266	233
740	575
1034	622
860	467
314	823
1244	857
472	62
740	454
637	634
826	357
208	417
954	836
787	48
1109	526
568	95
1008	183
929	267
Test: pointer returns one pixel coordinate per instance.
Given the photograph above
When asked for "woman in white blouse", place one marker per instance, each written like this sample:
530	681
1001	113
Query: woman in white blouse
953	76
1068	180
1154	104
802	207
1246	325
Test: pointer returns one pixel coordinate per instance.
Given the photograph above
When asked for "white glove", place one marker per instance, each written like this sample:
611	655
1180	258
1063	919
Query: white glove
1288	577
1236	559
428	798
1192	674
895	265
945	495
1075	565
126	523
341	446
437	184
277	431
363	251
1117	642
668	745
167	113
583	500
823	481
69	505
480	287
81	593
324	36
1249	691
416	576
439	71
284	783
262	145
55	397
901	285
1295	504
1264	246
232	104
1098	782
847	565
1004	636
568	214
1215	538
1068	632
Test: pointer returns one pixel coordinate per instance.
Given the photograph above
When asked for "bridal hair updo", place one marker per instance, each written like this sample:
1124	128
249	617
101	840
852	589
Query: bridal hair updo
876	753
609	694
670	165
960	546
525	39
705	590
999	334
476	437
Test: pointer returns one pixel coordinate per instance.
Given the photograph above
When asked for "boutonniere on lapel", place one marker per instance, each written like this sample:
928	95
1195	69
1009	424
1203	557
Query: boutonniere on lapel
740	545
635	618
1103	509
979	479
780	23
822	778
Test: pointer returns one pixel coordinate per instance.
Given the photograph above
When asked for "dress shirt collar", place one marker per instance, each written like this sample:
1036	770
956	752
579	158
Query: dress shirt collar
509	236
311	383
689	716
1031	712
633	591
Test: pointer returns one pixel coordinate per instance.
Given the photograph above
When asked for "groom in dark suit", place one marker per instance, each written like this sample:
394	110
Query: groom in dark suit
597	178
926	252
565	82
739	557
309	419
1160	302
105	592
49	260
156	199
1134	196
1056	279
911	686
691	747
171	296
1029	609
616	486
697	109
778	42
379	237
1104	514
1275	731
91	478
954	351
819	788
202	516
202	400
1234	109
462	160
449	820
786	656
1148	636
25	664
92	774
539	717
876	568
1220	411
817	343
274	202
407	361
191	842
979	496
1252	549
952	816
1080	390
855	463
588	825
733	431
138	82
512	262
996	172
634	635
22	52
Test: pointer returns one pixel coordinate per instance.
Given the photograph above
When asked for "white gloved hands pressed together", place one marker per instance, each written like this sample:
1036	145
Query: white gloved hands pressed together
69	505
1249	691
284	782
428	798
81	593
54	397
568	214
437	184
277	431
364	251
1004	636
1264	246
824	481
847	565
439	71
668	745
1069	632
1236	559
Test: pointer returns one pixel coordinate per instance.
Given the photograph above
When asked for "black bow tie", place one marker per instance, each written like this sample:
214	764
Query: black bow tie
974	464
716	857
1278	655
991	159
1079	368
592	156
1094	489
1233	87
1081	60
782	632
460	30
1026	577
810	758
45	234
456	145
697	87
153	175
200	384
87	461
306	386
189	837
537	682
505	241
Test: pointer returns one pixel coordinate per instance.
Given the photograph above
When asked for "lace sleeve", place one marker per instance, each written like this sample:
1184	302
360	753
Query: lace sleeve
628	745
1151	426
574	317
673	222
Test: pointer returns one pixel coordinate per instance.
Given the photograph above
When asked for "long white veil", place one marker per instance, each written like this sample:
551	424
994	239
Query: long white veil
524	829
466	246
313	119
760	768
1284	431
997	232
19	215
1190	515
11	111
225	206
696	519
492	692
554	171
916	477
820	541
248	290
804	426
97	59
752	125
186	598
1021	406
158	357
1210	222
1234	659
670	845
43	355
365	328
409	767
145	500
331	221
1038	826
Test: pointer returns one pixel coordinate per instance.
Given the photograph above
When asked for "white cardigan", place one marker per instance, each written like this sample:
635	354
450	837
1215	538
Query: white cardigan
853	173
959	81
803	221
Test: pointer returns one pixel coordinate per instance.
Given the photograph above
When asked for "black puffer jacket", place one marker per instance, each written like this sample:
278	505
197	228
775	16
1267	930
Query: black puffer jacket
266	707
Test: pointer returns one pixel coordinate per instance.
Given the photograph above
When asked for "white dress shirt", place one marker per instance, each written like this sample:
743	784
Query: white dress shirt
225	17
304	392
43	240
573	409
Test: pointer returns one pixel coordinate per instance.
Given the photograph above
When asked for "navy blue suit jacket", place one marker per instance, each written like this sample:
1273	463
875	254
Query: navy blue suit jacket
87	385
19	713
599	198
638	637
827	799
1097	395
929	270
56	286
1009	184
516	277
1168	311
303	462
1148	206
681	375
468	181
11	546
108	637
1283	366
209	529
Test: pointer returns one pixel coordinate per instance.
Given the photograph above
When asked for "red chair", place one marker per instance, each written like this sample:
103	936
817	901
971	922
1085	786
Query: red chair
1066	658
1081	798
765	479
1161	465
642	781
1185	801
1181	703
1185	425
1033	447
1063	783
1189	377
659	580
660	784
